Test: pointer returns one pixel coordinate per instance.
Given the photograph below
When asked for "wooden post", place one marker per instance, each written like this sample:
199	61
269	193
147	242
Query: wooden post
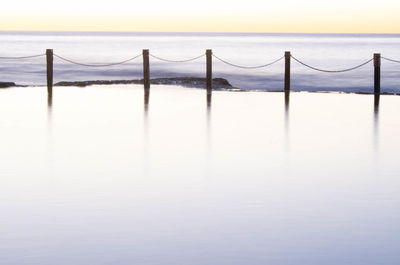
287	71
49	59
146	70
209	71
377	73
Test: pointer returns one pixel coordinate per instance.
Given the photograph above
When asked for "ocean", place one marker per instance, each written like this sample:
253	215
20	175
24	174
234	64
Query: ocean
326	51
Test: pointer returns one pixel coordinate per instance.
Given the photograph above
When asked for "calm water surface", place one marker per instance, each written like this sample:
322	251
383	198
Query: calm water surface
108	175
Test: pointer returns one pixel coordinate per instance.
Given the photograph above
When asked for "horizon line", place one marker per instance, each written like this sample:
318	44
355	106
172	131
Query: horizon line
197	32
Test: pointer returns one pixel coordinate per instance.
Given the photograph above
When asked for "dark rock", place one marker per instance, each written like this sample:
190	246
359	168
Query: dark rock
97	82
6	84
218	83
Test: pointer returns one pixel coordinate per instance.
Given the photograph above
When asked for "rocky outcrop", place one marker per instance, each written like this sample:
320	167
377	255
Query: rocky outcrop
6	84
218	83
97	82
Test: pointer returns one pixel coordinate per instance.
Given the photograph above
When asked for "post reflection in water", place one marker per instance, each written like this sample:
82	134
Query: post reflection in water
146	103
209	119
376	124
49	106
208	128
208	108
146	164
50	132
287	99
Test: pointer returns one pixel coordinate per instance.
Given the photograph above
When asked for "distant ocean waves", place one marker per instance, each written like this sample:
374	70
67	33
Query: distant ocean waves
361	82
326	51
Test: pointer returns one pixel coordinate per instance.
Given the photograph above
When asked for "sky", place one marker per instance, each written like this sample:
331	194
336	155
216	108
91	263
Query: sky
306	16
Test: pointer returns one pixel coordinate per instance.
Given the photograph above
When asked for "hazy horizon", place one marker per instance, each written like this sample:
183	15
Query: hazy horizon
198	32
291	16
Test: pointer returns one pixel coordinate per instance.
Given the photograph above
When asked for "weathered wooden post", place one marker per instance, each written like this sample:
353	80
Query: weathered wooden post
209	71
287	71
49	59
377	73
146	70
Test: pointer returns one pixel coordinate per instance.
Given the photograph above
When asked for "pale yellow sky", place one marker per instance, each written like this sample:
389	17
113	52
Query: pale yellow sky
341	16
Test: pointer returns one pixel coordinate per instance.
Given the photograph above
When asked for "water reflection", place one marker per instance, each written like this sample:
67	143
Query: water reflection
49	106
146	163
376	124
146	102
208	108
50	132
287	100
146	112
208	128
49	100
209	120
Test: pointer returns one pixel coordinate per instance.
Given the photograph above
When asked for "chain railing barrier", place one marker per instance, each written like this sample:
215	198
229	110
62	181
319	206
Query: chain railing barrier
96	65
332	71
49	58
248	67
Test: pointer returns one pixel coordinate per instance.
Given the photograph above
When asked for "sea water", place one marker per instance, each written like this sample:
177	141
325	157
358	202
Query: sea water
325	51
111	175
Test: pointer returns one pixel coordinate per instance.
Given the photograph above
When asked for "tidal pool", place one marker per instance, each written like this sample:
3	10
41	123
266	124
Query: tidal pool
110	175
